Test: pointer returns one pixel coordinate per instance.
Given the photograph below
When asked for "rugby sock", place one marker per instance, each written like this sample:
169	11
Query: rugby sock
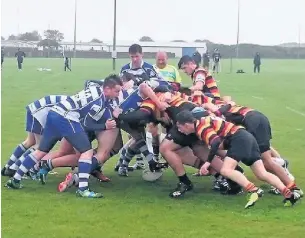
184	179
130	153
156	146
84	169
17	164
122	156
139	158
95	164
27	164
292	185
286	192
19	150
141	145
50	165
251	187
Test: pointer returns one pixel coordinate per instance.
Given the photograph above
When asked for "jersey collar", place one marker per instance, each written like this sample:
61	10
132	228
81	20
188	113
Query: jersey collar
141	66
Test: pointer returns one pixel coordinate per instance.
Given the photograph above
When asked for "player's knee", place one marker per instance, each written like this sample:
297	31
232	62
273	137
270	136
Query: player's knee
225	171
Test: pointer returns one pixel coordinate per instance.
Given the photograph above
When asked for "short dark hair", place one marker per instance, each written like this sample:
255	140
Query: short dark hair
185	117
112	80
184	60
135	48
125	77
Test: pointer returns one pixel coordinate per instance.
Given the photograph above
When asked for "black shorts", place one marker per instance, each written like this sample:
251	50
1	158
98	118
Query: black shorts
243	147
259	126
181	139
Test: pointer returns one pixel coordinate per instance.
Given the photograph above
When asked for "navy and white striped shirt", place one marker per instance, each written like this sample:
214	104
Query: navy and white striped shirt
47	101
79	105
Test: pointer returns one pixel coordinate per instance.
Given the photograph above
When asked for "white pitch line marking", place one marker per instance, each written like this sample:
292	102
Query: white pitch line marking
259	98
296	111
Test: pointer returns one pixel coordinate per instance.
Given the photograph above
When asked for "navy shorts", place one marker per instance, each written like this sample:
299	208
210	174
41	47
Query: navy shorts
58	127
32	125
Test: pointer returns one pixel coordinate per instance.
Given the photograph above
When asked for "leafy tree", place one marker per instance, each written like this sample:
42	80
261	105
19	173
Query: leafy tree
12	37
48	44
146	39
54	35
30	36
178	41
95	40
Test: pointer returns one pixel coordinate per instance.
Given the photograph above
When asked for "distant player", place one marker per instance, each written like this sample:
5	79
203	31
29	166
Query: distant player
67	65
19	56
2	56
216	61
197	57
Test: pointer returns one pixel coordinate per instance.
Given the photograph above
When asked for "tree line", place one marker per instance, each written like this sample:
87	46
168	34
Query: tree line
52	39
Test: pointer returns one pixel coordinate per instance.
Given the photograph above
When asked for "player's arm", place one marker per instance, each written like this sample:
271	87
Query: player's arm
147	92
91	121
199	82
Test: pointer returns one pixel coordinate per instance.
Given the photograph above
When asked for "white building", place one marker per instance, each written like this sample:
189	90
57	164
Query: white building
178	48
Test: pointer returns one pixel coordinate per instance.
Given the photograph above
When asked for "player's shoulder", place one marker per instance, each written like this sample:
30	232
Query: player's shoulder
147	65
125	67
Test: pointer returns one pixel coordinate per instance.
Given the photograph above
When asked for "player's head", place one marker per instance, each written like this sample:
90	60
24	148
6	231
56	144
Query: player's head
128	80
136	55
161	59
185	122
187	64
112	86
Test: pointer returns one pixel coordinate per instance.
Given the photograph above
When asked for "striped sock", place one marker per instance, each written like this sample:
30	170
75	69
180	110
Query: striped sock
27	164
130	153
286	192
292	185
141	145
19	150
84	169
17	164
156	146
251	187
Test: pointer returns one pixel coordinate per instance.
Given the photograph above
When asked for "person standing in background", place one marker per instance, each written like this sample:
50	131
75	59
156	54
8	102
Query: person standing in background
257	62
20	55
67	64
206	60
2	56
197	58
216	60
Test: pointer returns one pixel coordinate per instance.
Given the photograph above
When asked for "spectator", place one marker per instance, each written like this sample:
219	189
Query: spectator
20	55
206	60
257	62
197	58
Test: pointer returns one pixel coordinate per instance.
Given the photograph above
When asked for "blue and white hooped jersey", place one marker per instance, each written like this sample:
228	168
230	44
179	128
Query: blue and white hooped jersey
94	83
40	108
145	68
79	105
128	100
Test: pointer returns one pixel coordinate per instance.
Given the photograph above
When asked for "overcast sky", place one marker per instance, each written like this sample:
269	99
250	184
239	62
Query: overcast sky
261	21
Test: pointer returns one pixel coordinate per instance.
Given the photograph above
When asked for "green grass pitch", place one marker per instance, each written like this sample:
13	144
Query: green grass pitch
133	207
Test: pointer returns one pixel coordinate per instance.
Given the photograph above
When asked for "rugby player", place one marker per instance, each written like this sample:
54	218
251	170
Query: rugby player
202	79
241	147
137	67
36	114
258	125
63	120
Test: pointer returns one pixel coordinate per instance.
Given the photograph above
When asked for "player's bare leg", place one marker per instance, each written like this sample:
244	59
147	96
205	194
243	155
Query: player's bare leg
261	173
168	149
